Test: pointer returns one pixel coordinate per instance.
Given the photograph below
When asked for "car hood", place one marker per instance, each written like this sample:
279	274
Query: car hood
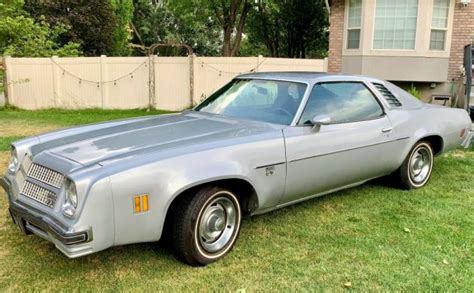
113	141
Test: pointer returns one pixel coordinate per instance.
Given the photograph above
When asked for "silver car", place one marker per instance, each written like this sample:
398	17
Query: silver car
262	142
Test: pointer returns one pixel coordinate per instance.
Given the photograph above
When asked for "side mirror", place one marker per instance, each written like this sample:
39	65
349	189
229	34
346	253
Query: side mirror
321	119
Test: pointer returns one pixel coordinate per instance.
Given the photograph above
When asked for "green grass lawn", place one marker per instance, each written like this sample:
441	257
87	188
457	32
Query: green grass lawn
372	237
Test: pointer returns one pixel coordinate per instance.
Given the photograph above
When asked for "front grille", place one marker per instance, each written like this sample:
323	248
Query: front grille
39	194
46	175
30	189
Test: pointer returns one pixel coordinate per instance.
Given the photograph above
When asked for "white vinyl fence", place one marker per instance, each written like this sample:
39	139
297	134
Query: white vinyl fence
168	83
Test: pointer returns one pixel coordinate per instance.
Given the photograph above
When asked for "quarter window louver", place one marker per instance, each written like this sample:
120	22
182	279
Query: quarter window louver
389	97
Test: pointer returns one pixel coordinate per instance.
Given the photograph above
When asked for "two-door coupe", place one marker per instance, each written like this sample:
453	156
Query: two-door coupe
262	142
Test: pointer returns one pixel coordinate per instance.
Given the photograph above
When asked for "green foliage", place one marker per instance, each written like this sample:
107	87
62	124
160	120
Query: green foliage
11	8
280	28
122	36
414	92
184	21
294	29
21	36
196	26
91	23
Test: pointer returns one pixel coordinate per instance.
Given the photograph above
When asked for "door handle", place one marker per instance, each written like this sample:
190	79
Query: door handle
387	129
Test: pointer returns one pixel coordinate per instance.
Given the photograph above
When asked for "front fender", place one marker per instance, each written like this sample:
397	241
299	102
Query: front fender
165	179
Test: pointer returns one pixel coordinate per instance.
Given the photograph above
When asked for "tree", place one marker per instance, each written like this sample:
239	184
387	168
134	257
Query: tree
290	28
231	14
178	21
92	23
197	26
22	36
122	36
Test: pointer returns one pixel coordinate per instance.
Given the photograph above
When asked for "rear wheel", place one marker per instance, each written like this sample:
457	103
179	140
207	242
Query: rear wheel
416	169
208	225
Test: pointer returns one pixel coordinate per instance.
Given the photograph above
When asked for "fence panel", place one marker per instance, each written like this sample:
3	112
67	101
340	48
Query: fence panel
287	64
123	82
172	83
30	86
76	82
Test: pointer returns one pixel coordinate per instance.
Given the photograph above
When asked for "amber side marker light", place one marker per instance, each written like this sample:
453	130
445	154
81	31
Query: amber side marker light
140	203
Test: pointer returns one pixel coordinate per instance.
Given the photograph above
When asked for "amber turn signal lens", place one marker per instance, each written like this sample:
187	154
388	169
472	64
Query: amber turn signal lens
136	200
145	203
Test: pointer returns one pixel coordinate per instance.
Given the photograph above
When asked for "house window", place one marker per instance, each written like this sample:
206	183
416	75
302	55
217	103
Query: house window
395	24
353	24
439	24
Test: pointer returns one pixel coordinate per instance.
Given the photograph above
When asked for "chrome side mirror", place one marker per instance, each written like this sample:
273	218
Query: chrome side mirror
321	119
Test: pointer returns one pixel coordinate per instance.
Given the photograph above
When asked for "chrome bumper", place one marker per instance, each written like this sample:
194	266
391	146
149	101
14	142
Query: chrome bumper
468	140
30	221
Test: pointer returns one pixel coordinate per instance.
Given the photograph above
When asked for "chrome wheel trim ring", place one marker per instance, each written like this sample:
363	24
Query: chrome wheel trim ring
420	165
217	225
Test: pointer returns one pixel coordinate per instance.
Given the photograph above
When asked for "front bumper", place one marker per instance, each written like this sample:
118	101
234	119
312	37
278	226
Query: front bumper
30	220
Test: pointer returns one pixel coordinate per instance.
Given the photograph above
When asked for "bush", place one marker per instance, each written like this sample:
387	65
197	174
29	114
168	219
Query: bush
21	36
414	92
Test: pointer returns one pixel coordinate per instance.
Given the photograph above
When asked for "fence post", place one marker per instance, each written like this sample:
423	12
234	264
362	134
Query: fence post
259	60
56	87
8	81
3	66
325	64
151	81
191	79
103	77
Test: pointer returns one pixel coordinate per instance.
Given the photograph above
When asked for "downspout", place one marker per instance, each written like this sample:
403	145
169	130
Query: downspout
328	7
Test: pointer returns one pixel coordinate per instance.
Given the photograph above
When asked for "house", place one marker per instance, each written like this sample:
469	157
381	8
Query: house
414	43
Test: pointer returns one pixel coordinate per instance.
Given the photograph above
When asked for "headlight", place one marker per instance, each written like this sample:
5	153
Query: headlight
13	164
70	203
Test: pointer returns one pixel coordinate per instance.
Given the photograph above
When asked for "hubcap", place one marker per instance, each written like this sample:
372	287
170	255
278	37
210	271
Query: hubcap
217	224
420	165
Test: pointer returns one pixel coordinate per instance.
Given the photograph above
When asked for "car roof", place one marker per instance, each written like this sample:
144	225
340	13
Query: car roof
306	76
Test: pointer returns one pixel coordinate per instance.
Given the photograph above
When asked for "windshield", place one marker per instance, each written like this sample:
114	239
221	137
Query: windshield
263	100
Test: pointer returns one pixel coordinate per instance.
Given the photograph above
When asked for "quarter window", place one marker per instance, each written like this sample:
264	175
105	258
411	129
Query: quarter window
353	24
439	24
395	24
342	101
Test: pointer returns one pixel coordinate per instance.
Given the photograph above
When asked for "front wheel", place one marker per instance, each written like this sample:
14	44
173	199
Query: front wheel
416	169
208	225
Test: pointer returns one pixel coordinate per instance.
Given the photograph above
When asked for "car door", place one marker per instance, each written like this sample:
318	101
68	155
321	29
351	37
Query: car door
355	146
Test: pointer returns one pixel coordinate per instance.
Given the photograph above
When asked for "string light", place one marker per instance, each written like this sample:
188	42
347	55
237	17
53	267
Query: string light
145	64
98	83
229	72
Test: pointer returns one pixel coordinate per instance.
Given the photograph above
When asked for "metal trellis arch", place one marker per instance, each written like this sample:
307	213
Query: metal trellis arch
152	87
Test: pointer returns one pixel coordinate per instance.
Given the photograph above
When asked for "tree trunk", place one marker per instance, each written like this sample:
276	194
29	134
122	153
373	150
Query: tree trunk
227	17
